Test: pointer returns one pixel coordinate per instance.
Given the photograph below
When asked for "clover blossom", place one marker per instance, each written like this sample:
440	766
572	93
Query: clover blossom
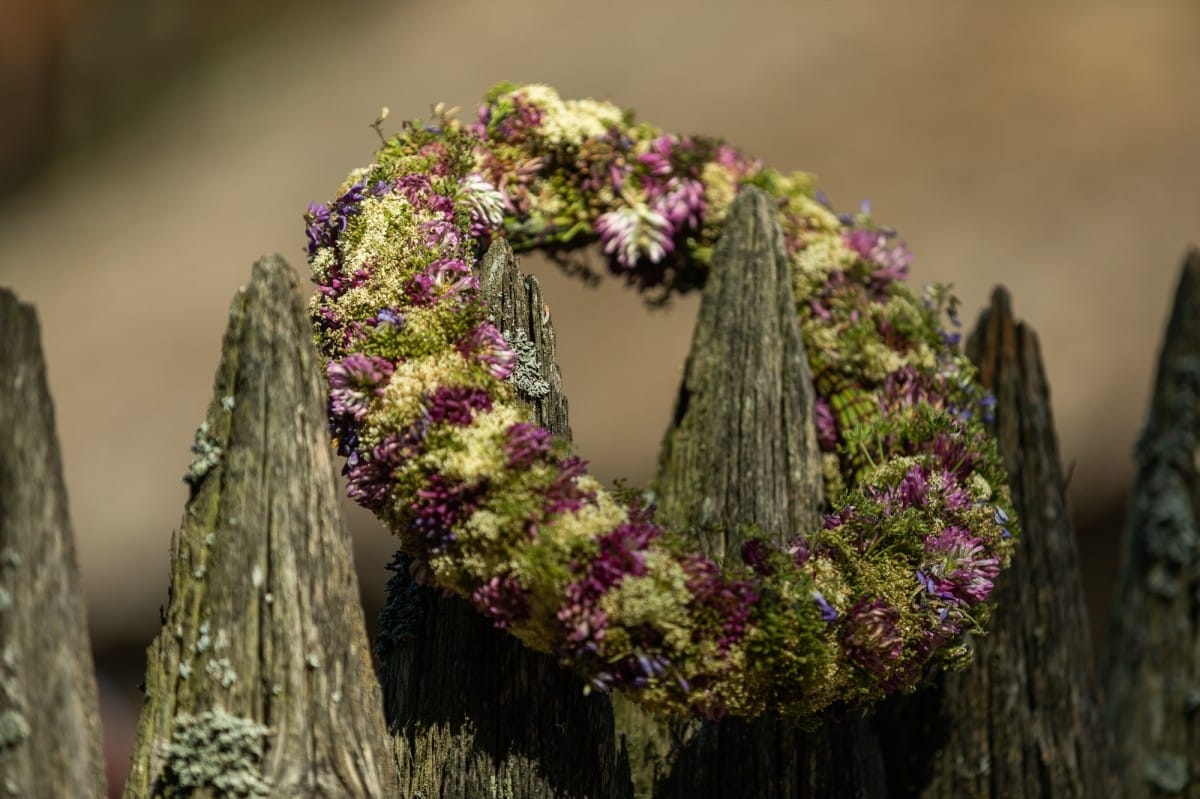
526	443
630	233
443	278
487	345
871	635
457	405
503	600
960	566
369	475
354	381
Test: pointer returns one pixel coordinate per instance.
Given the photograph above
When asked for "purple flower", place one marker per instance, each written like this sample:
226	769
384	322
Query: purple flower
487	345
415	187
526	443
317	222
724	602
326	222
439	506
456	405
621	554
564	495
987	404
891	262
658	159
827	435
369	477
680	202
515	123
955	453
389	316
911	492
354	381
502	599
443	278
871	635
441	233
1001	518
756	553
960	565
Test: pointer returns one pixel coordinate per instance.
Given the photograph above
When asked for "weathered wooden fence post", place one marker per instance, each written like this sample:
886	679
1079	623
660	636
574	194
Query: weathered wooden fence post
49	716
473	712
742	450
260	682
1023	720
1152	662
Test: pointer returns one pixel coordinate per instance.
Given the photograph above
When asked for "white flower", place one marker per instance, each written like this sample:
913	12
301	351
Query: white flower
628	233
485	201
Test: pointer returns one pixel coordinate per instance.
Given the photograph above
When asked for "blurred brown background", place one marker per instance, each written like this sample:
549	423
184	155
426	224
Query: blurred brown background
151	151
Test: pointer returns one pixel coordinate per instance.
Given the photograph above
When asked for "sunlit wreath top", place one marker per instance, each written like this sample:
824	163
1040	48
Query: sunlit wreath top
424	403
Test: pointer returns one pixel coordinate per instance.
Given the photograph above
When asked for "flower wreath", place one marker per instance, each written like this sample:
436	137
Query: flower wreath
490	506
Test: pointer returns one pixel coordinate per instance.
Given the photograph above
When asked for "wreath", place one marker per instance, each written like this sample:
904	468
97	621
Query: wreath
424	405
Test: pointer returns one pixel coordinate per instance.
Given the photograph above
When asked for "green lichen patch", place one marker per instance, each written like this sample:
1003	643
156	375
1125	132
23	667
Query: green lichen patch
218	751
13	729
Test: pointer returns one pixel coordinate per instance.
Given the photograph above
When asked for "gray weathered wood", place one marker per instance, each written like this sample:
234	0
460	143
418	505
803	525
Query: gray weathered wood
260	682
473	712
742	447
1152	663
1024	720
49	715
743	450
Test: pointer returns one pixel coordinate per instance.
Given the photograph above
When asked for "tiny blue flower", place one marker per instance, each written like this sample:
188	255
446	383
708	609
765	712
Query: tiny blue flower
827	611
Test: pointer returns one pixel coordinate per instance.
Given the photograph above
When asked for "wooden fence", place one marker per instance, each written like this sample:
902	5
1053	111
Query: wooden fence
262	681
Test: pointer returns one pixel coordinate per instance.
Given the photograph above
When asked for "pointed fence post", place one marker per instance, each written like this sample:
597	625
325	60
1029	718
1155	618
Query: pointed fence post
49	714
473	712
260	682
1023	721
742	450
1152	663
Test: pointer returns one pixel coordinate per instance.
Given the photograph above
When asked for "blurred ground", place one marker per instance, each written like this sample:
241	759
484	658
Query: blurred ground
1054	148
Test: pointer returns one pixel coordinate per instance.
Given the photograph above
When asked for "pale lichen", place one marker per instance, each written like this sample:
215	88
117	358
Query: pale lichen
219	751
14	729
206	451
